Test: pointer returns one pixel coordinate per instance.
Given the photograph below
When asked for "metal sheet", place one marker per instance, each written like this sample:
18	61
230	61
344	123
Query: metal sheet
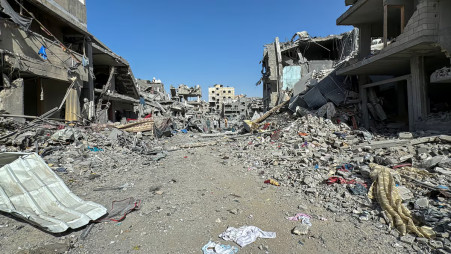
29	189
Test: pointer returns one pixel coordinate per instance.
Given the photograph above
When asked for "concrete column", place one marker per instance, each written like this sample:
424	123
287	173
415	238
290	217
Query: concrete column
418	93
364	41
88	89
364	104
410	106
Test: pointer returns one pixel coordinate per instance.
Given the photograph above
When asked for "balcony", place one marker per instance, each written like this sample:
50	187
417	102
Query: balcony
21	52
420	36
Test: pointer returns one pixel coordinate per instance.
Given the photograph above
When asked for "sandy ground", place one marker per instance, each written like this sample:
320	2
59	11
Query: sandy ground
186	201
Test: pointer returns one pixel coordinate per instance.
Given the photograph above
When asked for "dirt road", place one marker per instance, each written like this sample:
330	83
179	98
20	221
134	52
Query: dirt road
193	195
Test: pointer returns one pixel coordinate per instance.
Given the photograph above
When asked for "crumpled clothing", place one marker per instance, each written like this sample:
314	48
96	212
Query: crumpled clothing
305	218
386	193
216	248
245	235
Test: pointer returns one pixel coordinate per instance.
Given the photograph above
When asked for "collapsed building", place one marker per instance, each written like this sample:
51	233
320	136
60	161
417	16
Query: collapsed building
408	75
305	69
242	108
52	64
393	68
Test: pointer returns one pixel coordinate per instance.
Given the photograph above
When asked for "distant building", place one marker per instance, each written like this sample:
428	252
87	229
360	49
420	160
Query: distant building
219	94
154	85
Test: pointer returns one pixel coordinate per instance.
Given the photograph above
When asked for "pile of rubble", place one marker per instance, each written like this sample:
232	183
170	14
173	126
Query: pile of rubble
335	165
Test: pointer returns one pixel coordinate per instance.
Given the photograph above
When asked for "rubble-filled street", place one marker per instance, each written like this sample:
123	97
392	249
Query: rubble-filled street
189	188
343	145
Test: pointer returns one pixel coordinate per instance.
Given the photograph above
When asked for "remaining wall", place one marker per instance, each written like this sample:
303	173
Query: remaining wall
12	96
73	11
445	26
424	22
26	46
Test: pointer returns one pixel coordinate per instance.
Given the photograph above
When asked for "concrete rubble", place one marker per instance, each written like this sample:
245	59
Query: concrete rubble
337	127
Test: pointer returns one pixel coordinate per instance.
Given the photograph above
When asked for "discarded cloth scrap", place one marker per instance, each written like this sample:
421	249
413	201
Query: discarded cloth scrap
29	189
341	180
245	235
43	53
305	218
120	209
386	193
273	182
217	248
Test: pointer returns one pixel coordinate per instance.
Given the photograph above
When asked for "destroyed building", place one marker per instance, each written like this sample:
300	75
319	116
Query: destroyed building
403	65
49	56
154	85
305	69
241	108
115	86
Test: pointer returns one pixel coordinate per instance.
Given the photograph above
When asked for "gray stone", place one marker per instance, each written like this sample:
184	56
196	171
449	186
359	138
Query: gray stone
422	240
310	181
443	171
436	244
301	229
405	193
422	203
434	161
407	239
234	211
405	135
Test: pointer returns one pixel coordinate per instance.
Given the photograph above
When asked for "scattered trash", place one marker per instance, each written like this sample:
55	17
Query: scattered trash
95	149
245	235
273	182
120	209
305	218
217	248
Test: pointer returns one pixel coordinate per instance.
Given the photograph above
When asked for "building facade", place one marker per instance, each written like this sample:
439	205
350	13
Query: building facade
218	94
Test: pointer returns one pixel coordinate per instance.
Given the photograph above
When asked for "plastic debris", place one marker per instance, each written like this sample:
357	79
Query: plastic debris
304	218
217	248
245	235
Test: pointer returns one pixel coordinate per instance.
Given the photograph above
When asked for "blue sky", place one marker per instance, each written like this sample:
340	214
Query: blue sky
206	42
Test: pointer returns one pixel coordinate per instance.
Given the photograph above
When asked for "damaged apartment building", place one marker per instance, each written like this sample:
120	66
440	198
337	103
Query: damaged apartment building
403	65
52	65
305	70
